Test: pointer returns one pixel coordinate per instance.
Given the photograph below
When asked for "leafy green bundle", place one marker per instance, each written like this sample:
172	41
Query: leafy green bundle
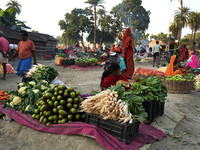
150	89
45	73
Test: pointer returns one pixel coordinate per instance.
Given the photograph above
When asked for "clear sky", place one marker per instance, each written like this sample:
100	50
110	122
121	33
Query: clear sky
44	15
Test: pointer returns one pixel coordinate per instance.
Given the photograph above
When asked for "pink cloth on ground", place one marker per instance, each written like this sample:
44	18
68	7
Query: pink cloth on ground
83	68
147	134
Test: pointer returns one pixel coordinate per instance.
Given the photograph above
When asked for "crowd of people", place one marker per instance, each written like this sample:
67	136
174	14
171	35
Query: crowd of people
119	71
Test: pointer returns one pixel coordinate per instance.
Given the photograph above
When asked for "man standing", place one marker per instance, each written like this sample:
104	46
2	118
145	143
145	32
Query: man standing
171	48
25	50
4	53
193	47
156	52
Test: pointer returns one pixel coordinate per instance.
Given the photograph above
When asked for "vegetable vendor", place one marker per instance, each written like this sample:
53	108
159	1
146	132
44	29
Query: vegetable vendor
127	53
193	62
25	50
174	67
112	76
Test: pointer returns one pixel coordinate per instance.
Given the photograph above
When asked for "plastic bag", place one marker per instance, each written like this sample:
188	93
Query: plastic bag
122	64
146	73
57	81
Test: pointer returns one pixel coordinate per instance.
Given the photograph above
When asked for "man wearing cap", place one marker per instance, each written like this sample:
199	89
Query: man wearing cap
4	53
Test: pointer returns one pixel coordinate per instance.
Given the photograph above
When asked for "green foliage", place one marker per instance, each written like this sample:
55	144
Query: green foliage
76	23
161	36
133	15
150	89
61	55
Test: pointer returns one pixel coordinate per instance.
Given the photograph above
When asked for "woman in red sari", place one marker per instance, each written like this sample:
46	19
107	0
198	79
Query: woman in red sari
112	76
127	45
184	53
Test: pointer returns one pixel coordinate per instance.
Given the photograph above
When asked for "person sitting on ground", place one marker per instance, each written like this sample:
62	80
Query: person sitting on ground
112	76
174	67
193	63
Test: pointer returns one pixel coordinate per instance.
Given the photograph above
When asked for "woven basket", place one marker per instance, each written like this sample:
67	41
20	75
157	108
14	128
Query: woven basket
92	64
179	87
81	64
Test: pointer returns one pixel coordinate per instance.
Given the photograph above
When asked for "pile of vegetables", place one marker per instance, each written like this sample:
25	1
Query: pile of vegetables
92	60
117	104
42	72
151	88
178	77
3	96
25	98
59	105
61	55
81	60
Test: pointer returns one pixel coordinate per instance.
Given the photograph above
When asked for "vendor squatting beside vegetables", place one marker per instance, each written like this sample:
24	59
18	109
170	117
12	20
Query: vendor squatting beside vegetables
112	76
25	50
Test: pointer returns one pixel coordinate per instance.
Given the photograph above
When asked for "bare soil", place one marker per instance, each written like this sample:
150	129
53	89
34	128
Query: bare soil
14	136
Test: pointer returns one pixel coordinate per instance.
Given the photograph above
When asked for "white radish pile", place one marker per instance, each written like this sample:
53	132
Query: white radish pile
106	105
34	70
198	82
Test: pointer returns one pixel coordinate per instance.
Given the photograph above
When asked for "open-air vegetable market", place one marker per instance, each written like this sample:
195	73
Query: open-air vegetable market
115	75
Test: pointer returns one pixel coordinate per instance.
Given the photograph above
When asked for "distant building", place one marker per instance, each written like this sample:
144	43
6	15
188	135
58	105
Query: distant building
44	44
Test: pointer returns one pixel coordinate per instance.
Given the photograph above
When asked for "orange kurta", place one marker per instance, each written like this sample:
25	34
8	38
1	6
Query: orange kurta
170	69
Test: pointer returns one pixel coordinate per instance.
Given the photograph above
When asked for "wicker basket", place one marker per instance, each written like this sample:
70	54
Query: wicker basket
81	64
92	64
179	87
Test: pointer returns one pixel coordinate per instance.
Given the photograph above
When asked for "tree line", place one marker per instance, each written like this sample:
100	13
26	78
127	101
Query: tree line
99	26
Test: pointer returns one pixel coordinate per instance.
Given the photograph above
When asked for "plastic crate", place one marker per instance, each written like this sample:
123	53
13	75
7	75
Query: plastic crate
121	131
68	62
153	109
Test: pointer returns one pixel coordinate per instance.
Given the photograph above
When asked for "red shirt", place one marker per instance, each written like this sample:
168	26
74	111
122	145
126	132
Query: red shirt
4	45
25	49
111	80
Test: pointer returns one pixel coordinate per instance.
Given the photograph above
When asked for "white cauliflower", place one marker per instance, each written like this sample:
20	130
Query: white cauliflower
32	83
21	84
35	91
27	107
11	104
22	90
43	87
44	81
17	100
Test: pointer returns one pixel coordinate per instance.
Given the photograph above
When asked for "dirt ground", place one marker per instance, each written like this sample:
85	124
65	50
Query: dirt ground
186	134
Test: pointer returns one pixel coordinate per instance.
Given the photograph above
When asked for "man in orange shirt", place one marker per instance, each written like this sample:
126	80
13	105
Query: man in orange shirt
25	50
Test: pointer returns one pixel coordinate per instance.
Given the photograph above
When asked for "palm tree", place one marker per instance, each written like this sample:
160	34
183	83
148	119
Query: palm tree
101	13
175	27
184	18
95	3
181	12
194	22
16	5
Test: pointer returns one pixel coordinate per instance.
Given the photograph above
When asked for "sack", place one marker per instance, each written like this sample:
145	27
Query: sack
58	60
122	64
146	73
